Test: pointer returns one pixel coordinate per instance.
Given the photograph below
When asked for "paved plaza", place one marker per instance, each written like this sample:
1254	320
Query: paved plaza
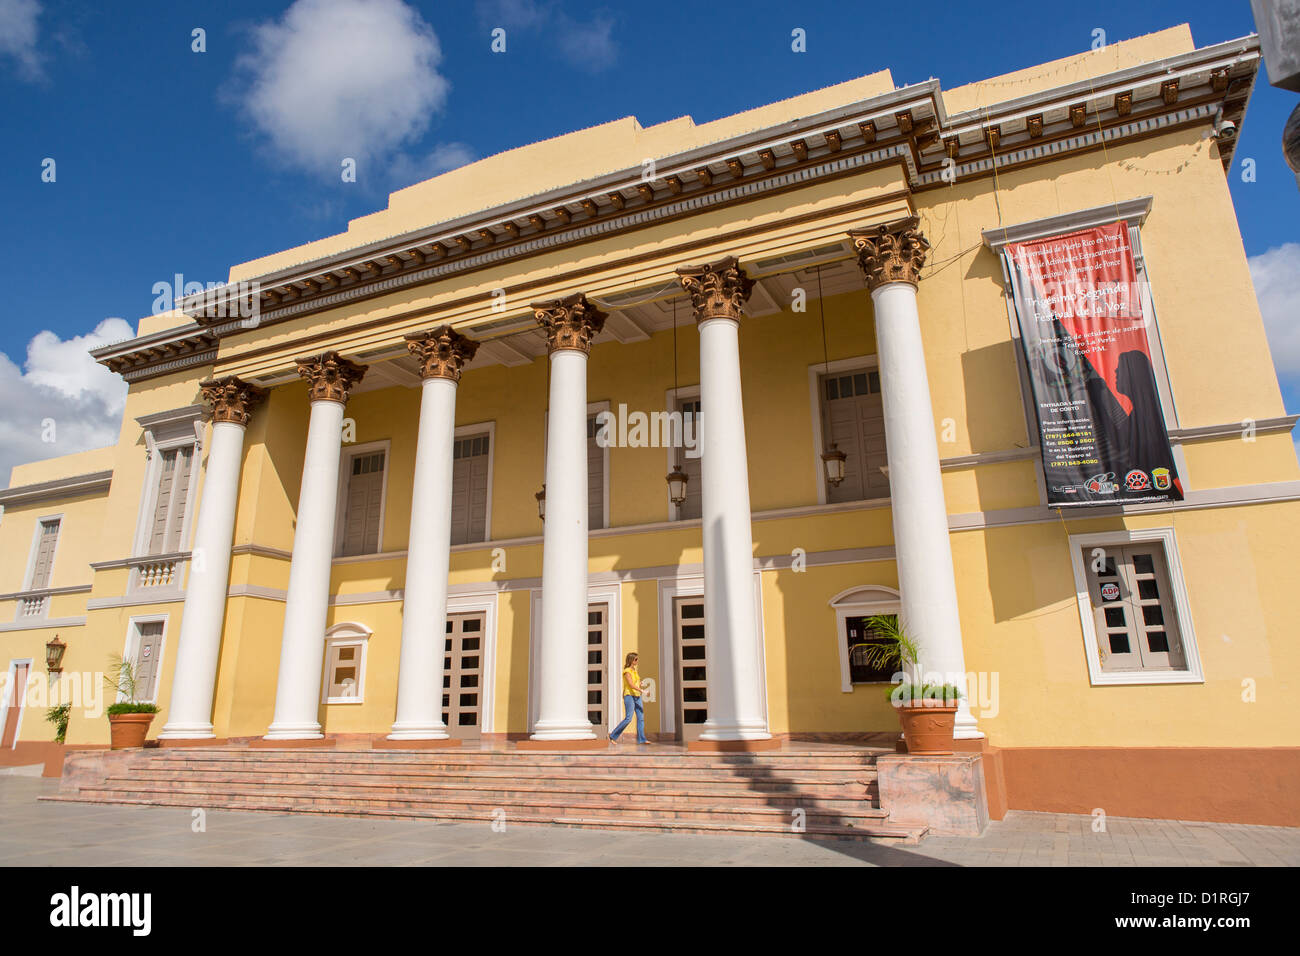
102	835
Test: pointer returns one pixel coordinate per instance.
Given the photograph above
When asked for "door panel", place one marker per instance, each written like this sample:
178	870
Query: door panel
148	647
692	678
462	678
17	694
598	668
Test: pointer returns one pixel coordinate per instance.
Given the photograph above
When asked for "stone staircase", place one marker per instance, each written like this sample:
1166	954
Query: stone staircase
801	793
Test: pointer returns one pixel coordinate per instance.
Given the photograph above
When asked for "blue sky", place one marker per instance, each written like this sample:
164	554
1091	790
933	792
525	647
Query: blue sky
173	161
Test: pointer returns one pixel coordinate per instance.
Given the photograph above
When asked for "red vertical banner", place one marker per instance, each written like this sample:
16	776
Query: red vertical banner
1101	426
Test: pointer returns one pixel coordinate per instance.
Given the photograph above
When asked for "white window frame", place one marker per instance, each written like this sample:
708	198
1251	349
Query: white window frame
346	634
1178	590
467	431
485	603
131	648
36	543
870	363
351	452
171	430
611	595
7	696
671	397
692	585
861	600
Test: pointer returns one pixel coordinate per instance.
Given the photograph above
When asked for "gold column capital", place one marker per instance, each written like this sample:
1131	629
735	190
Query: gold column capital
331	376
231	398
718	290
443	352
569	323
892	252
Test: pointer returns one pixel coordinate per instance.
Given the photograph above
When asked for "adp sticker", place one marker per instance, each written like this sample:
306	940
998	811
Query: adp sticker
1110	592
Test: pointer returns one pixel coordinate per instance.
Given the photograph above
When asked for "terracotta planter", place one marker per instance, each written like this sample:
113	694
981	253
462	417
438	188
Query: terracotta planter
128	730
927	726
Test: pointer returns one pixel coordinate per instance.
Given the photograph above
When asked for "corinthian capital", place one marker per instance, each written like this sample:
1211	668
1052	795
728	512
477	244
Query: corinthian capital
231	399
893	252
569	323
443	352
718	290
331	376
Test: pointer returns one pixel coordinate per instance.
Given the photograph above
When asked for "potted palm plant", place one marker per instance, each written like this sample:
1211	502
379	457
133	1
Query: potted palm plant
128	718
927	710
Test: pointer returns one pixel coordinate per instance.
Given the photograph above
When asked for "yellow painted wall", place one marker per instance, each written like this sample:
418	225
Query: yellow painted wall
1016	591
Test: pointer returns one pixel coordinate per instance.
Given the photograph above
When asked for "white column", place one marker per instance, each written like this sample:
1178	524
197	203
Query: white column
731	635
927	586
189	710
562	658
424	607
302	647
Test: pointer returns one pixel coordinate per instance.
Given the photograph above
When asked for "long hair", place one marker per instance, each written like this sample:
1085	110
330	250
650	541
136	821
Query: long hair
629	660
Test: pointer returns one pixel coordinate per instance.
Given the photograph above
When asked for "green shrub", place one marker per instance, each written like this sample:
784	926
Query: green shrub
58	716
130	707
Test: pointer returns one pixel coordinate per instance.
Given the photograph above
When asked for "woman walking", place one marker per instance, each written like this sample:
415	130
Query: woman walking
631	701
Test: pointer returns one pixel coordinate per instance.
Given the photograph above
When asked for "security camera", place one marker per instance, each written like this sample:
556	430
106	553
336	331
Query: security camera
1225	130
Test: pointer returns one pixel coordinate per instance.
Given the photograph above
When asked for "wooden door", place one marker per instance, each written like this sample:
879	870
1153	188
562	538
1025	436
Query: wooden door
692	677
17	696
462	676
598	669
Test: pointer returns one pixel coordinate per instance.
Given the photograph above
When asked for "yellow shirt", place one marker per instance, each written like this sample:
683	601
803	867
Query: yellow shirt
631	682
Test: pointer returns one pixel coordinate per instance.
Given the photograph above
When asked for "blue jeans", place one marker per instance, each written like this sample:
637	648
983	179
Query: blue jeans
630	704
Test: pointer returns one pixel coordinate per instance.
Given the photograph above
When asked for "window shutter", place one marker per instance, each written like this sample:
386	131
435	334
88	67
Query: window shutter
363	508
180	498
162	503
855	415
469	489
693	506
595	477
43	566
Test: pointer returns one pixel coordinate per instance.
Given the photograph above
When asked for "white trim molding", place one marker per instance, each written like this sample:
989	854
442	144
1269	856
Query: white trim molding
1177	588
346	634
7	696
861	600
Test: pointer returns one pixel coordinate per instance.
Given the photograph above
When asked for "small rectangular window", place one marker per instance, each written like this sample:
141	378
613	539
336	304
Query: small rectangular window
861	637
1134	615
345	671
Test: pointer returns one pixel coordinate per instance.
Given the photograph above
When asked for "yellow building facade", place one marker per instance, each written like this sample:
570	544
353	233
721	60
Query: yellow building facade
332	459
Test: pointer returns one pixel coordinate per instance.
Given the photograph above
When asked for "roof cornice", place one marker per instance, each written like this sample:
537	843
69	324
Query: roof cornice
73	487
908	127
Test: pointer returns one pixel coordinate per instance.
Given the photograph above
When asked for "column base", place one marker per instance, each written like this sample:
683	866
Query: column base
419	732
175	731
562	730
304	731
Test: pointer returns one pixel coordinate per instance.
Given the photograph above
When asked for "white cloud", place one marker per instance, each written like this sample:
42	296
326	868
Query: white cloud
588	46
18	33
60	384
405	170
1276	274
336	79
